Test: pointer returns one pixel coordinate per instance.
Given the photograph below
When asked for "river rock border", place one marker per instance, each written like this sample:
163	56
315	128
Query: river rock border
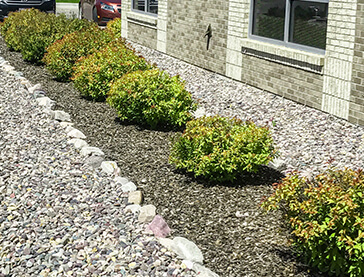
94	157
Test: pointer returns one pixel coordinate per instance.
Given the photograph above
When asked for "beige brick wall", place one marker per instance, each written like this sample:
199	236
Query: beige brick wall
295	84
333	82
356	109
187	23
339	57
144	35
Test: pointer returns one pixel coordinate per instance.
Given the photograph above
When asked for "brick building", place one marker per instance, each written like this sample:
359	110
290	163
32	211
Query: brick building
307	51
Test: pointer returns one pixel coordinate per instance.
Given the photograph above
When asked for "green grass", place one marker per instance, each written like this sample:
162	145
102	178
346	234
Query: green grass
67	1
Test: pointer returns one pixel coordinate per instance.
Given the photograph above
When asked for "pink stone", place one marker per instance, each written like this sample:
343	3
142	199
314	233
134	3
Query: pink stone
159	227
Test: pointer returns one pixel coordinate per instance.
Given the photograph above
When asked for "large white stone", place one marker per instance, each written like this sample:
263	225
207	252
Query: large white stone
278	164
64	124
78	143
76	134
187	250
135	197
109	167
121	180
167	243
132	208
34	88
128	187
61	116
45	102
88	150
94	161
147	213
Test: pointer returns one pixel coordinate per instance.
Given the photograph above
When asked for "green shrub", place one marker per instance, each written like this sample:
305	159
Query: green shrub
13	26
219	148
62	54
151	97
114	27
93	74
327	218
30	31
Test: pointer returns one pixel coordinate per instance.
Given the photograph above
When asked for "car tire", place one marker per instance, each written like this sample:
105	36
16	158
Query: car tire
94	15
80	12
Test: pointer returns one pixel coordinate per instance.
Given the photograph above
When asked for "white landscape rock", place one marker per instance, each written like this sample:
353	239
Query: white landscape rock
88	150
278	164
134	208
61	116
109	167
34	88
128	187
94	161
64	124
121	180
187	250
69	129
147	213
167	243
45	102
78	143
135	197
76	134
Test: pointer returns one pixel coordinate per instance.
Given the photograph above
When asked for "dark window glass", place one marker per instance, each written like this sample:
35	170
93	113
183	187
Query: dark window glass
153	6
309	23
139	5
269	18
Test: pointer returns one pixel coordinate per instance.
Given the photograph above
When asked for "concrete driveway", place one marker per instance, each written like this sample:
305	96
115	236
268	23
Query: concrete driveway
70	9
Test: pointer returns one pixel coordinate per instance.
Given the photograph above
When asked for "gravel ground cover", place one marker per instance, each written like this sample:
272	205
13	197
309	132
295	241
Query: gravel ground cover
59	217
224	220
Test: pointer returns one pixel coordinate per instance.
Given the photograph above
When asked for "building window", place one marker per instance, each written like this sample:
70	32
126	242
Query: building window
147	6
296	23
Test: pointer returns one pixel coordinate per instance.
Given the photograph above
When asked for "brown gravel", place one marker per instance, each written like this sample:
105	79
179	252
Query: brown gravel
254	244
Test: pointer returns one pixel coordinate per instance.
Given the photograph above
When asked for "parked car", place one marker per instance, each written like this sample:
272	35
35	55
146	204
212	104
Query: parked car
100	11
7	6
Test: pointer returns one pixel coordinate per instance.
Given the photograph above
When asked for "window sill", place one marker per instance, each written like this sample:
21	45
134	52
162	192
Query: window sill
284	55
142	19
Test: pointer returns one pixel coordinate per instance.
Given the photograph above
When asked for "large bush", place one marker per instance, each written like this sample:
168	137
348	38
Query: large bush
93	74
62	54
327	219
151	97
31	31
114	27
219	148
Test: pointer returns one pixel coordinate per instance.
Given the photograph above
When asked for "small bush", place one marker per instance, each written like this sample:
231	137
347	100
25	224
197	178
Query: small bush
327	218
13	26
151	97
219	148
114	27
93	74
30	32
62	54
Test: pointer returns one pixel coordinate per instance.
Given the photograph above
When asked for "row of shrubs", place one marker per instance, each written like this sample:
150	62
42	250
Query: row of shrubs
326	214
103	67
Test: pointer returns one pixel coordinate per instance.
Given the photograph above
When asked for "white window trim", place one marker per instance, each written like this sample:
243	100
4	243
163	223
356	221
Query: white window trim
285	41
